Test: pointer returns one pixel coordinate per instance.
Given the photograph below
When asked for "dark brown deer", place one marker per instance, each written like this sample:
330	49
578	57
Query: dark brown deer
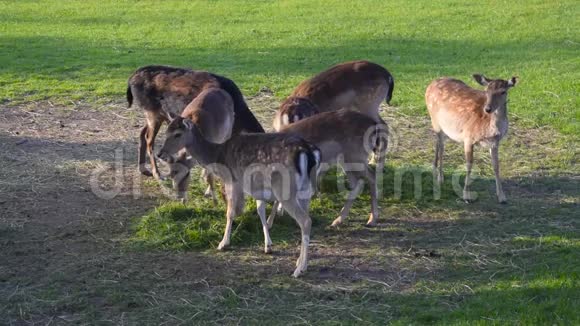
264	166
469	116
345	138
161	90
356	85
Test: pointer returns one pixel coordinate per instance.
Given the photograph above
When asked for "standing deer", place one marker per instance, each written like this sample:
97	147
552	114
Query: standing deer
264	166
356	85
345	138
163	90
469	116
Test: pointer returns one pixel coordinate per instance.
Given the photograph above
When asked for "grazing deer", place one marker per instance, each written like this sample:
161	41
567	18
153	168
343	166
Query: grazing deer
345	138
264	166
357	85
163	90
469	116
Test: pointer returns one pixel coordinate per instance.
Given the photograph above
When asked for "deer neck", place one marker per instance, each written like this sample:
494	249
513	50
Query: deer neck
499	116
499	123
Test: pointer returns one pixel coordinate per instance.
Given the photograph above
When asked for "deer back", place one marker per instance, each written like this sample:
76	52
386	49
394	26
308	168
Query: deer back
342	132
342	84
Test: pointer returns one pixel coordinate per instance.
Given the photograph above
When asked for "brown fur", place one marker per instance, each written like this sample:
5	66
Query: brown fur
469	116
162	90
357	85
345	137
253	164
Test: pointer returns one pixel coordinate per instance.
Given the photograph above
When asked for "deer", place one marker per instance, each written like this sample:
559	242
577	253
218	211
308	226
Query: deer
164	90
267	167
469	116
358	85
293	110
346	138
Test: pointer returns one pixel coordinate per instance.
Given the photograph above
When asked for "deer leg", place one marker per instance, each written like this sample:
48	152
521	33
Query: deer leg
152	131
436	159
357	186
382	145
261	207
180	177
374	215
495	163
180	172
210	191
468	148
439	149
276	209
233	201
143	152
300	214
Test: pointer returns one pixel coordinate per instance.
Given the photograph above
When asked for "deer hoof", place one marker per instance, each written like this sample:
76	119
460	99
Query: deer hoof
296	273
337	222
222	245
300	268
371	224
467	198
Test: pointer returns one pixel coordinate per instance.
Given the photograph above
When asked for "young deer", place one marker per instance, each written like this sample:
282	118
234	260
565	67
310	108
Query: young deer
345	138
357	85
469	116
264	166
163	90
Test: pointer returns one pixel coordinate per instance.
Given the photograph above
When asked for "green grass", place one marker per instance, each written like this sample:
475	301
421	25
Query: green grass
85	50
429	262
481	263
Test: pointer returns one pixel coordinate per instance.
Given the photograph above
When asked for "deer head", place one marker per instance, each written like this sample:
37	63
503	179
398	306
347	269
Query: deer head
207	121
495	91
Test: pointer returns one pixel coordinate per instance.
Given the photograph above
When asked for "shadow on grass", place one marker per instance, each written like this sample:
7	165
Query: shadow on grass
429	261
65	59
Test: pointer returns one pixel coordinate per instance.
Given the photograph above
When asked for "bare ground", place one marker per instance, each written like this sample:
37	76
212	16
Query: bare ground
63	253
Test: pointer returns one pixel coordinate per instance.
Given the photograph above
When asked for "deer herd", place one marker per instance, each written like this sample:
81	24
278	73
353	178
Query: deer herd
330	119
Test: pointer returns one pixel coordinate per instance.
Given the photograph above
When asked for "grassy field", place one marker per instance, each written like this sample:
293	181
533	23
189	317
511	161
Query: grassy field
67	256
85	50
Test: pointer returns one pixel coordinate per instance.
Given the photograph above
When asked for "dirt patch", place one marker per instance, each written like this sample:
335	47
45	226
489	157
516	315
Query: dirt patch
63	255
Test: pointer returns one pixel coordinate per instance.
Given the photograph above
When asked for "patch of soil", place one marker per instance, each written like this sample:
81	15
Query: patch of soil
69	188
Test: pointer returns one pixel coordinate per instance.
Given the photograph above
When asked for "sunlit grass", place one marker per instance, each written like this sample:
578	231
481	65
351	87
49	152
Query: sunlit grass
85	50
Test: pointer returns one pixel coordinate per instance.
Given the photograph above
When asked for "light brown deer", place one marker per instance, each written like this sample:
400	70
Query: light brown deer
469	116
264	166
346	138
356	85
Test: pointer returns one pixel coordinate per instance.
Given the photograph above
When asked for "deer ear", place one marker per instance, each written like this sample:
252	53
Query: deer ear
481	79
188	124
512	82
215	117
